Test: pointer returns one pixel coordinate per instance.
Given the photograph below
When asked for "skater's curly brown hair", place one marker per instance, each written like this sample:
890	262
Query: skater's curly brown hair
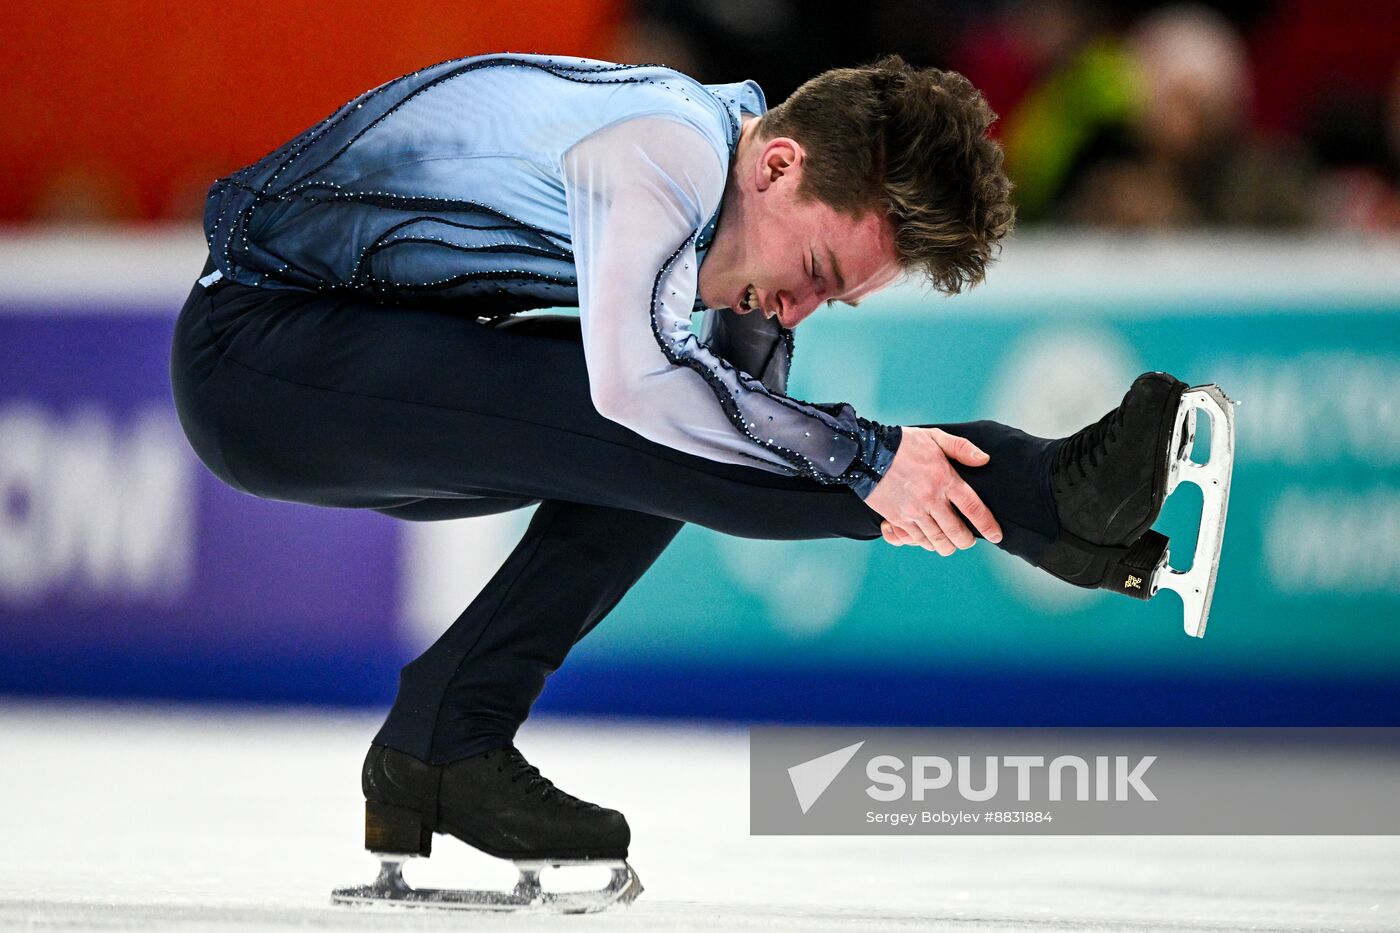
913	140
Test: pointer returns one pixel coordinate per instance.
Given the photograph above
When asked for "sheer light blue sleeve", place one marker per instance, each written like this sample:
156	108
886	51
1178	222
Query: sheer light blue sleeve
637	194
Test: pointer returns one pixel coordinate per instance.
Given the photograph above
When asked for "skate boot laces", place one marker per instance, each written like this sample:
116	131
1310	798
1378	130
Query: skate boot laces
513	764
1083	449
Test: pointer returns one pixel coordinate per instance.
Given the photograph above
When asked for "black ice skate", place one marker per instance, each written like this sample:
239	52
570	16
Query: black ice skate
496	802
1111	479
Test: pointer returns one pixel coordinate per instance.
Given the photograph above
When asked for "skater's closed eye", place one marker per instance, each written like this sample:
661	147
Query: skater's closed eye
835	268
836	271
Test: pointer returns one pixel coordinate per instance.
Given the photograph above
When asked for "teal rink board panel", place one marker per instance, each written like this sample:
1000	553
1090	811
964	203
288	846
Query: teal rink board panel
1310	576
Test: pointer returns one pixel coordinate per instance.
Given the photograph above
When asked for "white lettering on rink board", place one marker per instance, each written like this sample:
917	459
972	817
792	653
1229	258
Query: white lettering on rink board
1329	540
93	506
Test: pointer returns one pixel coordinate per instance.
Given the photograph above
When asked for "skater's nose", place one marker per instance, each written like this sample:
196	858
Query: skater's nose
796	307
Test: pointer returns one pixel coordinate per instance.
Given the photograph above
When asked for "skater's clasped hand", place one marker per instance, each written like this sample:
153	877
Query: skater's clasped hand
921	494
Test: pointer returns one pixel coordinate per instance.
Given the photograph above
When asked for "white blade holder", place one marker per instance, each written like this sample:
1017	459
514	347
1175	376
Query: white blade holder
1196	586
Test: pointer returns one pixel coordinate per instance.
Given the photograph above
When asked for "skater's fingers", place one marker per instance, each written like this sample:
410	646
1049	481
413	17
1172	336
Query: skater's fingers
953	527
938	541
893	534
900	536
976	511
960	448
916	535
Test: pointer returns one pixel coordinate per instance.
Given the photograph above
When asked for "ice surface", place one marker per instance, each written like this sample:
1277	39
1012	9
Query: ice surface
194	819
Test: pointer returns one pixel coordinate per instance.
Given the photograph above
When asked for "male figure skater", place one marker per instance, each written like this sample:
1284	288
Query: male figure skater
354	343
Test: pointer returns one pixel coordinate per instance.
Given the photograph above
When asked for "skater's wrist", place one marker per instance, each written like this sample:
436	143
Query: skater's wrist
878	445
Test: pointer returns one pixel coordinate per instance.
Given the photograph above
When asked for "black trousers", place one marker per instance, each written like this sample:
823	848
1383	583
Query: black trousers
426	414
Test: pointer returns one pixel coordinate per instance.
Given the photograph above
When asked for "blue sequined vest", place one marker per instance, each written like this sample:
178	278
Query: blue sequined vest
444	184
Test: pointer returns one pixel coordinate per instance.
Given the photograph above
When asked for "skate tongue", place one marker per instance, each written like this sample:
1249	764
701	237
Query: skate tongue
1087	444
520	769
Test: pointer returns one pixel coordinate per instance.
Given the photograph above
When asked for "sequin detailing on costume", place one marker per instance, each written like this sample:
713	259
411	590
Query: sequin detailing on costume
443	184
826	442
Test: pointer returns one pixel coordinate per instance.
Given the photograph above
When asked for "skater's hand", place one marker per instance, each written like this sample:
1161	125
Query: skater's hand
919	491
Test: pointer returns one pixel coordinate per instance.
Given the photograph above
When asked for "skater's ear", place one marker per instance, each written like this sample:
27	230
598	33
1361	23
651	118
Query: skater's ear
779	163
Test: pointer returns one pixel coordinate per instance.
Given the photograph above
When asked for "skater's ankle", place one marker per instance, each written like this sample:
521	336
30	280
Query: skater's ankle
470	748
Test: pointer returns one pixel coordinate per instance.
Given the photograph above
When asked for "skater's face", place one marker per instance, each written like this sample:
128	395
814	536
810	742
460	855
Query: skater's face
787	254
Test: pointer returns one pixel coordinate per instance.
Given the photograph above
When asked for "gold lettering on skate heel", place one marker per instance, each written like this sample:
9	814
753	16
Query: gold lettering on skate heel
1132	583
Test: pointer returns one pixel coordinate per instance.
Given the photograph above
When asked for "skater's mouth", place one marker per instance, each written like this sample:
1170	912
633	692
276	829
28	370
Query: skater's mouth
749	301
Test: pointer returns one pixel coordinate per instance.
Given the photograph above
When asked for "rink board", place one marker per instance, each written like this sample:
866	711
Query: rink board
126	569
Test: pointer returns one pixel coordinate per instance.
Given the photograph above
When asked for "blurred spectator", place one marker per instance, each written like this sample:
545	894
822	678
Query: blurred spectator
1187	155
1054	72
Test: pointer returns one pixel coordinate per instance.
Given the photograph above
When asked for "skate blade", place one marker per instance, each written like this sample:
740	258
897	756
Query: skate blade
390	888
1197	585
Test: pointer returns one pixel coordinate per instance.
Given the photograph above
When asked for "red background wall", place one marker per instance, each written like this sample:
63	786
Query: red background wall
122	109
